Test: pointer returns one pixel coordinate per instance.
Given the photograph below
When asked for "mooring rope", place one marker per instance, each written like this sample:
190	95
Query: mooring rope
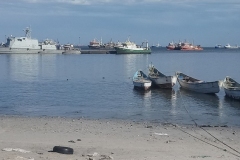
209	143
206	132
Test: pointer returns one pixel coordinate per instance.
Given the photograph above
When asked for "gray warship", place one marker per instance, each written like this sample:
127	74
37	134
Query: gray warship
28	45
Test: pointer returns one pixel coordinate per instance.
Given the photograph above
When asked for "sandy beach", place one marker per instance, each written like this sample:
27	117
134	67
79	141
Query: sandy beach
25	138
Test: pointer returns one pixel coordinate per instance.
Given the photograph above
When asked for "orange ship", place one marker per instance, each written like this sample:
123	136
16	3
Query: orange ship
189	46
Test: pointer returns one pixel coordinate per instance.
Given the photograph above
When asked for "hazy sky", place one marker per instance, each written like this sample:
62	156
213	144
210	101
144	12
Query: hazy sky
206	22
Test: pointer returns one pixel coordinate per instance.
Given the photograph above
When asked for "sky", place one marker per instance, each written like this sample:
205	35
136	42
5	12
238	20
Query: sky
203	22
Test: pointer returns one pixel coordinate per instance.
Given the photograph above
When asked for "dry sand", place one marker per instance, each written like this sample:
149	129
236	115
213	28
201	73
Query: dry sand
118	140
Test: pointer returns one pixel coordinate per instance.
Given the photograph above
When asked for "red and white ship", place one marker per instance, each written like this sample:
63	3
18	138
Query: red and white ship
171	46
189	46
95	44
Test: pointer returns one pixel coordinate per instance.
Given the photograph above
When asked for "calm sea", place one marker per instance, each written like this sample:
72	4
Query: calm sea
99	86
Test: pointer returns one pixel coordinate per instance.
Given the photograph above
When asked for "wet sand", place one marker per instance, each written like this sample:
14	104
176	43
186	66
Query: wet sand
25	138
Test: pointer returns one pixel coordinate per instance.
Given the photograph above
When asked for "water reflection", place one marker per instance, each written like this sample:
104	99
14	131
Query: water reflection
145	94
232	102
29	67
168	98
205	100
101	86
167	94
145	98
23	67
203	108
135	62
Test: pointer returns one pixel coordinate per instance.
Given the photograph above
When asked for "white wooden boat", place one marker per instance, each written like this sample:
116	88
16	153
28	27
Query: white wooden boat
193	84
159	79
231	88
141	81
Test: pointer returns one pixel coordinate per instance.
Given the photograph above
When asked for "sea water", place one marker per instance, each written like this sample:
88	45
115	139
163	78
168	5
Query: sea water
99	86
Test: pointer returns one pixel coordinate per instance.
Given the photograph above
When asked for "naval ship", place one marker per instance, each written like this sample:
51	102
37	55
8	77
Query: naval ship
28	45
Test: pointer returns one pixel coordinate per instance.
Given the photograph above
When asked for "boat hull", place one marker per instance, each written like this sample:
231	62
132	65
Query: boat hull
142	84
231	88
163	82
235	94
231	47
190	48
94	47
201	87
132	51
7	50
71	52
170	47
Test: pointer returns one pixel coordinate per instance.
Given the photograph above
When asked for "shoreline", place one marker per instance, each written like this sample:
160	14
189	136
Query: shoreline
114	139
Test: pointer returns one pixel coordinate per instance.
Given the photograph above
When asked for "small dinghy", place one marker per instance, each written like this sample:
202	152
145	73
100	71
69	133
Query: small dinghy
141	81
231	88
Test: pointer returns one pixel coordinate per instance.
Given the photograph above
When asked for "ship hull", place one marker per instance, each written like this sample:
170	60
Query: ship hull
132	51
163	82
6	50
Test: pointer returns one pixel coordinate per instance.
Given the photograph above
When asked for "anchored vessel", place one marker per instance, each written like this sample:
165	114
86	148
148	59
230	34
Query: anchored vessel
156	46
129	47
218	46
141	81
95	44
183	46
231	88
28	45
188	46
228	46
171	46
159	79
69	49
193	84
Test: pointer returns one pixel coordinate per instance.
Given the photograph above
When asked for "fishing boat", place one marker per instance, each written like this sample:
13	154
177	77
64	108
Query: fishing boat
196	85
28	45
218	46
171	46
129	47
141	81
156	46
69	49
228	46
231	88
109	45
188	47
159	79
95	44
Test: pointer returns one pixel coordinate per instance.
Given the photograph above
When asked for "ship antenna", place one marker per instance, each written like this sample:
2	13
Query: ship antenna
128	37
28	32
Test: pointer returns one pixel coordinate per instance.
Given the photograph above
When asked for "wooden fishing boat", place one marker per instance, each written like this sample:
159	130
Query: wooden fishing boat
196	85
141	81
231	88
159	79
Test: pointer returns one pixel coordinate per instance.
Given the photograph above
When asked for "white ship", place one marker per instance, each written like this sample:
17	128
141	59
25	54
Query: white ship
28	45
228	46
